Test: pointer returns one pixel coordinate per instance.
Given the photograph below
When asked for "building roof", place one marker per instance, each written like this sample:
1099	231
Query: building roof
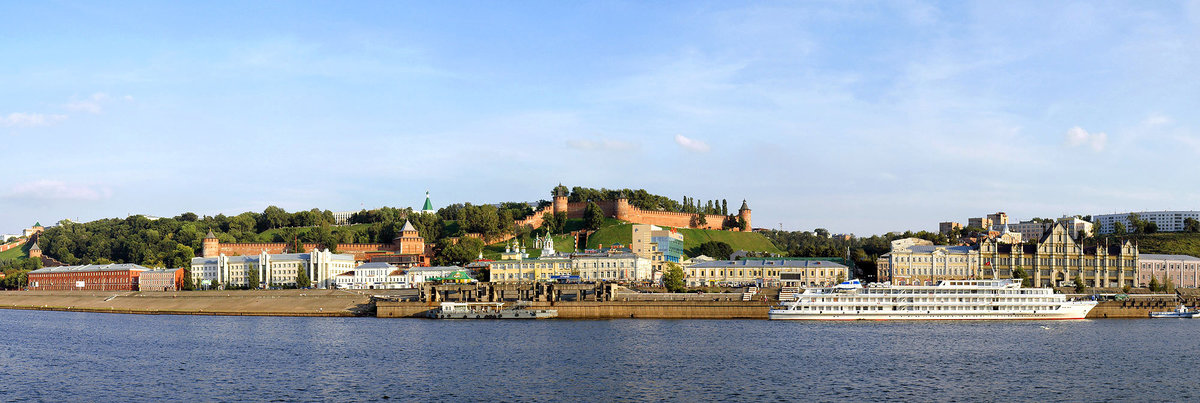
434	268
1155	256
34	247
374	265
408	226
931	248
277	256
37	224
91	268
744	205
428	205
210	235
784	263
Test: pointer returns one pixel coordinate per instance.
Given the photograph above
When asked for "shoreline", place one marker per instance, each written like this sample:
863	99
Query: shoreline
342	303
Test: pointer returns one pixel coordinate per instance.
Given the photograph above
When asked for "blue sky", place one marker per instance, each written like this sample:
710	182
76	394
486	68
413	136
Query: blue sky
861	117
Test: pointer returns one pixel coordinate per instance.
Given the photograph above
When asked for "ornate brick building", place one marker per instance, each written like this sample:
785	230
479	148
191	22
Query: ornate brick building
1057	258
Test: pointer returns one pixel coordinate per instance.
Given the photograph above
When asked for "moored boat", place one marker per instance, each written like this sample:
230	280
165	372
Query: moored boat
948	300
488	310
1181	312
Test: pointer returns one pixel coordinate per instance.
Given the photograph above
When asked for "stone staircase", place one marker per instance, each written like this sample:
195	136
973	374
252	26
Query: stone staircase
749	294
789	293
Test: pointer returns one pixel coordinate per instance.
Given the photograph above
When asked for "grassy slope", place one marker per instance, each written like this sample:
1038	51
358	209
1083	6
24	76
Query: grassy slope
692	238
14	253
1176	243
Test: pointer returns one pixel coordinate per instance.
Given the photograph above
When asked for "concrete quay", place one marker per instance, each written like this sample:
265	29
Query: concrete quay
231	303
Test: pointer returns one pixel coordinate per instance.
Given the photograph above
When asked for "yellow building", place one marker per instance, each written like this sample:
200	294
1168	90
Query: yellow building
928	264
509	271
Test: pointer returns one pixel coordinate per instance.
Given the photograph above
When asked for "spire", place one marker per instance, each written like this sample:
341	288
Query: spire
210	235
744	205
34	247
428	207
407	227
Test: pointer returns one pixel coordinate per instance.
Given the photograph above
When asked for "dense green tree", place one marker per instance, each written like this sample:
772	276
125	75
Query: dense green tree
1191	225
1080	286
593	216
302	280
1119	228
188	282
1154	284
672	277
252	276
715	249
460	253
821	232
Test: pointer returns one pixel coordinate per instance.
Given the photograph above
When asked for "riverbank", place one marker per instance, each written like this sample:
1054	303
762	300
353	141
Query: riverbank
231	303
348	303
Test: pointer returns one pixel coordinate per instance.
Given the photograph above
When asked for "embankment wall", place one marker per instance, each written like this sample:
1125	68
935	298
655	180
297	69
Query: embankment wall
238	303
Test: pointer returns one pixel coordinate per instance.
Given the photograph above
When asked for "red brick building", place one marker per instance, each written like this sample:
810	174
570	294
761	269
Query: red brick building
109	277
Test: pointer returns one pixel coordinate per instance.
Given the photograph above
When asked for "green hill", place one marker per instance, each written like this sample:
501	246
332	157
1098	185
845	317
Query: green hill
14	253
1169	243
692	238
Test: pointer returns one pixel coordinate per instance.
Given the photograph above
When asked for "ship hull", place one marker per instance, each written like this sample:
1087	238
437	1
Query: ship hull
1066	312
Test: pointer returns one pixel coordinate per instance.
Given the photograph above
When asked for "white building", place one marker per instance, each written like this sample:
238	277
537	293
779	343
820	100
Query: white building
372	276
611	267
1167	221
277	269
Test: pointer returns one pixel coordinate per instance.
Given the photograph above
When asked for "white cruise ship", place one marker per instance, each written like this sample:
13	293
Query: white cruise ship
948	300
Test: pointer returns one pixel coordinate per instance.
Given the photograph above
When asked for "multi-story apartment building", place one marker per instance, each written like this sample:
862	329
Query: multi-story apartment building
1076	227
979	222
766	272
1167	221
1057	258
656	244
1182	270
948	226
922	264
999	218
272	269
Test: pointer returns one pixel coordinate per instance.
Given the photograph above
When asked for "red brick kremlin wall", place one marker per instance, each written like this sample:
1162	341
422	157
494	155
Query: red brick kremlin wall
358	249
621	210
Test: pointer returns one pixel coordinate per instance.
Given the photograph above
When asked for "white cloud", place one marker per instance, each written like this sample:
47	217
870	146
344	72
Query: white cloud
603	145
19	119
1076	137
1157	119
93	104
48	190
691	144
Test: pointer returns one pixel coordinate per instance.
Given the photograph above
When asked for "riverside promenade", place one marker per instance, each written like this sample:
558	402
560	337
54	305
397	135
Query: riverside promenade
233	302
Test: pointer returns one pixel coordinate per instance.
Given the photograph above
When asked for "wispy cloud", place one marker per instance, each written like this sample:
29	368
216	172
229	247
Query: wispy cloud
50	190
19	119
94	104
601	145
691	144
1076	137
1157	119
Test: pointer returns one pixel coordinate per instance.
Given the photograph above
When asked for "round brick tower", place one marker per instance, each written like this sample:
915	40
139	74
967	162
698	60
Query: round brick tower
744	213
622	208
211	245
560	200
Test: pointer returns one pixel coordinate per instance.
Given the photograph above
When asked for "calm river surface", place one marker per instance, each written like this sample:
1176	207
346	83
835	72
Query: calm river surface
64	356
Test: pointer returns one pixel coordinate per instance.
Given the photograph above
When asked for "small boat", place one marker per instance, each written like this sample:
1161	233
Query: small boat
1180	312
488	310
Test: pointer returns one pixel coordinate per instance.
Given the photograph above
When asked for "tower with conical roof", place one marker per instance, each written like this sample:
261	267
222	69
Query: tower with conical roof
428	207
409	241
211	245
35	251
744	215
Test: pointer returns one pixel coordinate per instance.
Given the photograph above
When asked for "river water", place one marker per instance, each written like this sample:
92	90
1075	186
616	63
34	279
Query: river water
65	356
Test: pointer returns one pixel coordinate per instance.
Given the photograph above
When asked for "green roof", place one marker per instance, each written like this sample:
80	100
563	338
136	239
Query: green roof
428	205
39	223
